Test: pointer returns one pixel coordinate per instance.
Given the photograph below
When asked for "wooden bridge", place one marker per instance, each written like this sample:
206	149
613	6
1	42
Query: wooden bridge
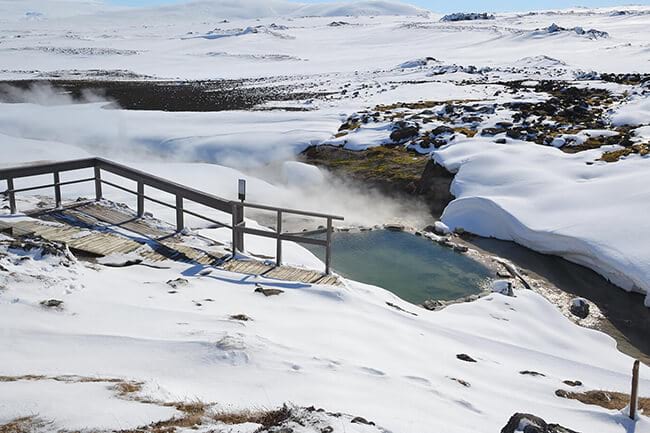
101	228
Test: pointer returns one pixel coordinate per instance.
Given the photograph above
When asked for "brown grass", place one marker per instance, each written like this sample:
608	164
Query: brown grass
605	399
613	156
61	378
192	414
27	424
124	388
267	418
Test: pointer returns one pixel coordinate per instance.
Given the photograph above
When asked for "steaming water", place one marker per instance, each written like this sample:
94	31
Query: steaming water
413	268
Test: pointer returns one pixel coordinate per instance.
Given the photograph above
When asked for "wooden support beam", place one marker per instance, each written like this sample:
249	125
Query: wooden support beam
141	199
180	216
278	252
57	189
328	247
634	395
98	183
12	195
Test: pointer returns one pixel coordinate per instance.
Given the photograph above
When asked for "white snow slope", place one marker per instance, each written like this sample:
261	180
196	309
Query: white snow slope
343	349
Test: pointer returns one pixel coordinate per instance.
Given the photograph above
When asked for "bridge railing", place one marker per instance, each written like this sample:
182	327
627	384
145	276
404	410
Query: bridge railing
181	193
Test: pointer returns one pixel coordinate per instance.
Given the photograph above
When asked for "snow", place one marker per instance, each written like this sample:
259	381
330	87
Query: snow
634	113
340	348
441	228
344	342
589	214
76	406
166	46
298	174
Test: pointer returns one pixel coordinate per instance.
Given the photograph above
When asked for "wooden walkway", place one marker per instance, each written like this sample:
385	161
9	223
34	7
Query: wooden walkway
101	229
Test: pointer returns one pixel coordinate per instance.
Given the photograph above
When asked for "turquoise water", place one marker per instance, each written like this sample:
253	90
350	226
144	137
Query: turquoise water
414	268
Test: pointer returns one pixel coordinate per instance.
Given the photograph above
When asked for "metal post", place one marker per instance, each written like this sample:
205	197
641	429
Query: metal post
141	199
634	395
180	223
98	183
57	189
278	252
12	195
328	247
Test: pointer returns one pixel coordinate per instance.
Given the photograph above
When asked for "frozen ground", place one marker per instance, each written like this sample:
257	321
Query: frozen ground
343	349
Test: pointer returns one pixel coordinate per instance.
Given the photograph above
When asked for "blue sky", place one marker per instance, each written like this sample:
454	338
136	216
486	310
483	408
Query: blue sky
458	5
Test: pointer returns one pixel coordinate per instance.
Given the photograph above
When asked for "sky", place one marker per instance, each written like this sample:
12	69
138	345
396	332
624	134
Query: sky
457	5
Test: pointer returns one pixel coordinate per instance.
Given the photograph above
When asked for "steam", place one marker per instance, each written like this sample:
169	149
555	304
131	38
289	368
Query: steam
261	145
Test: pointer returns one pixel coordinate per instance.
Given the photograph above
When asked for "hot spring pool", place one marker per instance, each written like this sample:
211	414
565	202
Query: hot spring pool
414	268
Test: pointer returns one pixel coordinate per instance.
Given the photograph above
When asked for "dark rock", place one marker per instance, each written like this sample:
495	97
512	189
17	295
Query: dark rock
460	248
429	229
442	129
500	141
562	393
465	357
267	292
572	382
490	132
361	420
579	307
241	317
178	283
434	186
532	424
404	133
432	305
531	373
461	381
52	303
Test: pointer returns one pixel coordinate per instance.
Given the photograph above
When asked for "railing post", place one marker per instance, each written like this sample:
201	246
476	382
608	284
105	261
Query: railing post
98	183
634	395
278	252
237	212
141	199
57	189
233	213
180	220
328	247
12	195
242	224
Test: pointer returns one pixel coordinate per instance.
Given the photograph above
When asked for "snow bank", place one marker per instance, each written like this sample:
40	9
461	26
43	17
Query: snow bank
634	113
340	348
555	203
77	406
298	174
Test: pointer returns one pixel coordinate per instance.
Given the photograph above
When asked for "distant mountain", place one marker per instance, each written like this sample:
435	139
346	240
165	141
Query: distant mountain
224	9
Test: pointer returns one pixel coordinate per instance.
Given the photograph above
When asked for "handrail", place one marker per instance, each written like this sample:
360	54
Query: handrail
181	192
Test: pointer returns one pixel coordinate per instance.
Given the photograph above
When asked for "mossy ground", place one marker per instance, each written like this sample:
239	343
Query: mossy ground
391	164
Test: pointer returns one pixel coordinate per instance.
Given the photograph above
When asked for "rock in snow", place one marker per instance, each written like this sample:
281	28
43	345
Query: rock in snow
579	307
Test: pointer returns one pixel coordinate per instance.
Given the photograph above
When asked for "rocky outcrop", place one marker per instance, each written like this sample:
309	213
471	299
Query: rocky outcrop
434	186
527	423
389	169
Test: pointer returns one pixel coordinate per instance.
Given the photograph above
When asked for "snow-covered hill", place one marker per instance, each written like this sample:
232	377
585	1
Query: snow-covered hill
24	10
